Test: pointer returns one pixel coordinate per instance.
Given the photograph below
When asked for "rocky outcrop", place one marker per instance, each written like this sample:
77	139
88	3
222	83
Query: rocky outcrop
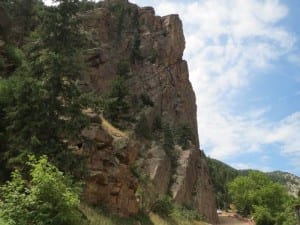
193	186
151	47
110	181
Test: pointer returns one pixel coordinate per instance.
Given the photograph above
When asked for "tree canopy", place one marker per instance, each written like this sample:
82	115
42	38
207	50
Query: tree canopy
48	197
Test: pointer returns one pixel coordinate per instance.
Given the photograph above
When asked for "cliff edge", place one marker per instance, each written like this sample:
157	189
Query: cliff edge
134	58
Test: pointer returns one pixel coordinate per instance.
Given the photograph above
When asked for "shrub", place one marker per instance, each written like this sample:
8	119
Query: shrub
146	100
163	206
50	199
14	54
262	216
184	135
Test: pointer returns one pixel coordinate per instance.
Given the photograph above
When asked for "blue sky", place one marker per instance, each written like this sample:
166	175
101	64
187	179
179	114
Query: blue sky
244	61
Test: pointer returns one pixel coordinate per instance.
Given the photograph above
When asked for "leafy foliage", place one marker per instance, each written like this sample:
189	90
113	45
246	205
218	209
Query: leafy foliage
163	206
288	215
221	174
257	189
262	216
25	17
50	197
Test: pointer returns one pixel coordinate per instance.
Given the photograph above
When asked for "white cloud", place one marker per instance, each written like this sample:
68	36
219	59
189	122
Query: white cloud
229	42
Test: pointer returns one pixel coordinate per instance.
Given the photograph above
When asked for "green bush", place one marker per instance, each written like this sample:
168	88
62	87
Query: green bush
48	198
187	213
163	206
14	54
184	134
262	216
146	100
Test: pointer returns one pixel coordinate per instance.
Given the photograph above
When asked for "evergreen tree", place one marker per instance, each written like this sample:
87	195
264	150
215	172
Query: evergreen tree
116	106
44	110
24	17
168	145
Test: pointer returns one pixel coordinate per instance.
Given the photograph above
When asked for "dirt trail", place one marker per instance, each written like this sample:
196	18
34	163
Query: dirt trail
228	219
225	220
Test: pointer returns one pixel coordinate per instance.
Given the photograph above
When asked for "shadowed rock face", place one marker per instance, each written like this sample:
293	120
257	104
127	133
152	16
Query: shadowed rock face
152	47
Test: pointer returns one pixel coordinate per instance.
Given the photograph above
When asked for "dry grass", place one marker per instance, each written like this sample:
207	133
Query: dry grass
99	218
110	129
157	220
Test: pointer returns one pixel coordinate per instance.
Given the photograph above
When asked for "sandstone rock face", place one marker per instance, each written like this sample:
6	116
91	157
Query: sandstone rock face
193	186
152	47
110	181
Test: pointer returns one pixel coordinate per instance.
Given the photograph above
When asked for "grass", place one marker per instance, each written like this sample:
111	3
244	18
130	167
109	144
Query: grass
100	217
157	220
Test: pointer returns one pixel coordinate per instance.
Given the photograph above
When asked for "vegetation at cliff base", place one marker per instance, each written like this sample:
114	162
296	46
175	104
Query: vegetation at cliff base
267	201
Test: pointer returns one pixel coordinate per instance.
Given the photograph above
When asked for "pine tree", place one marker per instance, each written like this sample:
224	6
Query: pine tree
117	107
44	111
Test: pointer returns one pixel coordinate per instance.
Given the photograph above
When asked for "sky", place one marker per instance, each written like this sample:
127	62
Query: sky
244	61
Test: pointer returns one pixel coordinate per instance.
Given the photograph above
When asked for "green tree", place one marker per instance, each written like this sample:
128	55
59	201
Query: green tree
257	189
117	107
49	197
221	174
43	110
288	216
168	146
184	134
24	17
262	216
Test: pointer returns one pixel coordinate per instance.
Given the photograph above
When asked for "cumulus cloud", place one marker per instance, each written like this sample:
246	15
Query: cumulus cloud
228	44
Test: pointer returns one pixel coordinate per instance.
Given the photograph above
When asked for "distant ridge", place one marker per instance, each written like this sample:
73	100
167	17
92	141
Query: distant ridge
221	174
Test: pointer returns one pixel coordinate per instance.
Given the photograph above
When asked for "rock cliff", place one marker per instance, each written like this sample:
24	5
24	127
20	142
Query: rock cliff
128	169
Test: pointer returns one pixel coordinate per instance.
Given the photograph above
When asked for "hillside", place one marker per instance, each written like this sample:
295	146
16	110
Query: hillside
291	181
222	174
